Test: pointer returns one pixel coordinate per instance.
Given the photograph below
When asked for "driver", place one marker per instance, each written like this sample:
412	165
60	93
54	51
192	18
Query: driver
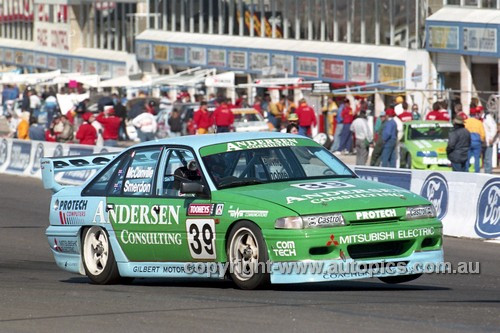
186	173
217	166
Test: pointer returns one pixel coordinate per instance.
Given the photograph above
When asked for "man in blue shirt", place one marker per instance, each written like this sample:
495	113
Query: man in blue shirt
389	138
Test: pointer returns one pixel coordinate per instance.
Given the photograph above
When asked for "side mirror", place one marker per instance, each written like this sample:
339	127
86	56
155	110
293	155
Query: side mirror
192	188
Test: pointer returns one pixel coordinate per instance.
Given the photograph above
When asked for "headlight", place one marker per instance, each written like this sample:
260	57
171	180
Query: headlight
294	222
427	153
323	221
420	212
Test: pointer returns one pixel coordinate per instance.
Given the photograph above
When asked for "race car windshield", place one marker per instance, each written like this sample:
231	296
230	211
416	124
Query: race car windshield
269	165
429	133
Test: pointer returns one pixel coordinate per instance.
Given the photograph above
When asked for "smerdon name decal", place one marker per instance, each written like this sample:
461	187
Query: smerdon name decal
264	143
320	197
387	235
376	214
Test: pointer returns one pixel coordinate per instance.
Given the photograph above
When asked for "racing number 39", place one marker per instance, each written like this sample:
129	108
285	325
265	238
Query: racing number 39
201	238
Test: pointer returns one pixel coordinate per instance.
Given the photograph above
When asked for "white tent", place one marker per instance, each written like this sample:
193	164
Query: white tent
29	79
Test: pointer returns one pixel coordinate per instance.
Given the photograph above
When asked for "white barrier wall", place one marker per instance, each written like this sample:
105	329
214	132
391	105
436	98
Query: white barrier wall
467	203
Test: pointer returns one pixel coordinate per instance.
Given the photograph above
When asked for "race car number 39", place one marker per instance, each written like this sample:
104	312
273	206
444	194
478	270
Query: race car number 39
201	238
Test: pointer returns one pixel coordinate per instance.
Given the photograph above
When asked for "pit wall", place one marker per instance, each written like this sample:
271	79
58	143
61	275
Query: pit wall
467	203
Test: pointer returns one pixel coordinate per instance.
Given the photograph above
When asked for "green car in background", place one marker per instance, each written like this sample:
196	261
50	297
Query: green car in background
252	207
424	145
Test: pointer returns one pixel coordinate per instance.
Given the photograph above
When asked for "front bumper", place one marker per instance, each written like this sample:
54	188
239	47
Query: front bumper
335	270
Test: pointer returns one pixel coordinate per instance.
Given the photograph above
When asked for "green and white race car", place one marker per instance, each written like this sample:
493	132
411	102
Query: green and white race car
255	207
424	145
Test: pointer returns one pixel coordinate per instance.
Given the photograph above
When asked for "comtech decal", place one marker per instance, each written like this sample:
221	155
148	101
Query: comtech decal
237	213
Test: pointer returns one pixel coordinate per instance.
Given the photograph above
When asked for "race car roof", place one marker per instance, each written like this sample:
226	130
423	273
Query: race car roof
199	141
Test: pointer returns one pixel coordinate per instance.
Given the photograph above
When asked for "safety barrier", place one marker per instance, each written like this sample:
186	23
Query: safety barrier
467	203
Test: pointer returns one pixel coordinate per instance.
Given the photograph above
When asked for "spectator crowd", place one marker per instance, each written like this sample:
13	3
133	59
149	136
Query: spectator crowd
37	116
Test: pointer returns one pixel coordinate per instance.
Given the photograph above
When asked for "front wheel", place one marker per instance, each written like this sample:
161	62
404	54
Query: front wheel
399	279
98	258
247	253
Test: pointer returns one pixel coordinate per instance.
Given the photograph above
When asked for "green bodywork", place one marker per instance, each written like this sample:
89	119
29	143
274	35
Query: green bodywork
163	229
425	153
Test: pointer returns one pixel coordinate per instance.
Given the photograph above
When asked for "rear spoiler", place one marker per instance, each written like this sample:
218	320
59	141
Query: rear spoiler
51	166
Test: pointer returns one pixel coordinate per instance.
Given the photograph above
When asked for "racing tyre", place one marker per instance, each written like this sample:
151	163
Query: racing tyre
247	252
98	258
399	279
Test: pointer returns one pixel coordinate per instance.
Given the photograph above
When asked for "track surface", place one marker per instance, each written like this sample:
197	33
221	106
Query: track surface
36	296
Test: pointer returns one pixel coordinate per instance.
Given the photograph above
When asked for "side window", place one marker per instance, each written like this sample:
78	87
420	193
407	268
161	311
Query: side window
138	176
98	186
177	170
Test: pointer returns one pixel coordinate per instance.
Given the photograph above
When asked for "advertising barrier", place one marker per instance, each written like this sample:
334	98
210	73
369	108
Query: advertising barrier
467	203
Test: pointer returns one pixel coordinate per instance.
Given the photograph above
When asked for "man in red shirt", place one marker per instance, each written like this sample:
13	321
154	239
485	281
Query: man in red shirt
203	119
404	114
346	134
443	111
307	118
87	134
223	117
434	114
111	126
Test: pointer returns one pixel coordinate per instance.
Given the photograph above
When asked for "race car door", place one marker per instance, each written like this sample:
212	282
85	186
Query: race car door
190	232
141	228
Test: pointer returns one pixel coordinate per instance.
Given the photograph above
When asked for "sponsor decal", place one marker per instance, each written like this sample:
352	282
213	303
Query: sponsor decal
150	238
387	235
219	209
332	241
488	210
137	214
20	156
36	160
146	269
201	238
142	187
71	211
139	172
376	214
321	185
264	143
200	209
435	189
78	176
327	196
237	213
66	246
4	152
284	249
71	205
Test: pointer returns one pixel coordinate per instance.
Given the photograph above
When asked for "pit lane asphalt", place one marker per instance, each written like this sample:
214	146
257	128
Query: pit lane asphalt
36	296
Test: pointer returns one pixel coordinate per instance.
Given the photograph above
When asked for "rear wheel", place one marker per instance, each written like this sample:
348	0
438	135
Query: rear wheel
399	279
98	258
247	253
